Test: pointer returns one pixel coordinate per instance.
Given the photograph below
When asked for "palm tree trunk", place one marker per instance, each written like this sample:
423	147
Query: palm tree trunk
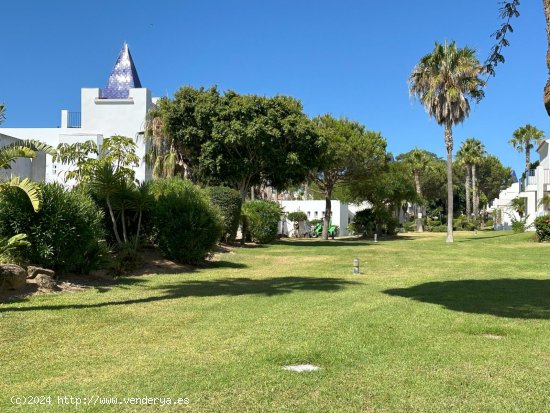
449	146
328	211
474	193
467	185
527	156
419	226
546	4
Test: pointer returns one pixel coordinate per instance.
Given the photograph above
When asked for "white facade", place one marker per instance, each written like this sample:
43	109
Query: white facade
342	213
532	187
100	117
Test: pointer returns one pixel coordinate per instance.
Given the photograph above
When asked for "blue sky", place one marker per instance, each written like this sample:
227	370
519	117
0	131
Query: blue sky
349	58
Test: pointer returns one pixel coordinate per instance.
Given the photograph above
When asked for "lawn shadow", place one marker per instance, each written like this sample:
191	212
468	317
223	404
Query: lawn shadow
266	287
506	297
481	238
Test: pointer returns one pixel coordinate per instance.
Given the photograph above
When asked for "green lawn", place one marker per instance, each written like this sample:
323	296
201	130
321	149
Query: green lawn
426	327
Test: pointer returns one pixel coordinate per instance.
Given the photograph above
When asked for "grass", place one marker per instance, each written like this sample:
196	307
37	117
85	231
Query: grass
426	327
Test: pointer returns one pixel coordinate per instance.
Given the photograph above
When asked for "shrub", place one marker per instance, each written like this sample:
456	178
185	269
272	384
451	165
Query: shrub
542	228
518	226
64	235
439	228
297	216
409	226
261	220
370	221
186	225
229	202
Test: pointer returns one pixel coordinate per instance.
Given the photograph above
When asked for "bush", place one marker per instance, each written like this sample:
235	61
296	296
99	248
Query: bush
370	221
297	216
229	202
186	225
439	228
65	234
518	226
409	226
261	220
542	228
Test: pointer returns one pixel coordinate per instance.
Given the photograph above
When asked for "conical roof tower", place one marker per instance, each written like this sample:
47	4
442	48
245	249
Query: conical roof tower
123	77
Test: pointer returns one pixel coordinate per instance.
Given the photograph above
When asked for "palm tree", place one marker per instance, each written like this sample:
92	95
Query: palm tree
462	161
2	112
419	162
443	81
518	205
471	153
544	202
524	139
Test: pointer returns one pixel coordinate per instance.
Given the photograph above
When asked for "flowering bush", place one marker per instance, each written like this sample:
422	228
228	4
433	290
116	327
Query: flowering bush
542	228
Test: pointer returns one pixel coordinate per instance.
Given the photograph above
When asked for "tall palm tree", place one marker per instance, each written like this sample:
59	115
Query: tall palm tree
472	152
524	139
443	81
2	112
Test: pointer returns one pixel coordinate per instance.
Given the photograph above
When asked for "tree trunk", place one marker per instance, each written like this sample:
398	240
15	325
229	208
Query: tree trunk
449	146
138	228
546	4
527	156
328	211
113	221
467	185
474	193
123	217
419	221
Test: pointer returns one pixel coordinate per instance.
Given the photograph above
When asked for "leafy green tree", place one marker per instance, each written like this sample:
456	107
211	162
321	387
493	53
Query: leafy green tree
351	153
524	139
443	81
229	139
493	177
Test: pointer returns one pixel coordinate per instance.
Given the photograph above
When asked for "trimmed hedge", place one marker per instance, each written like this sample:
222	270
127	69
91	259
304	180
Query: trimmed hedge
186	225
65	234
229	202
542	228
261	220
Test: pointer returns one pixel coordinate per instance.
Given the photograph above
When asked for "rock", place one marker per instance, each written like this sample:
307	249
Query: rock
32	272
45	282
12	277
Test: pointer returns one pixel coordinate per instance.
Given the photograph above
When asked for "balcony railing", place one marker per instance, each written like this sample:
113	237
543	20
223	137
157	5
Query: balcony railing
74	121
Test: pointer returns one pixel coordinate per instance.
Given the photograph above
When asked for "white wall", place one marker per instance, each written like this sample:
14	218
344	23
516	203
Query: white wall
100	118
315	209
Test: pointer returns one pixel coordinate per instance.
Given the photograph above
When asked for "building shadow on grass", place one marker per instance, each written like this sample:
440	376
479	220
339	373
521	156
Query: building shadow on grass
512	298
266	287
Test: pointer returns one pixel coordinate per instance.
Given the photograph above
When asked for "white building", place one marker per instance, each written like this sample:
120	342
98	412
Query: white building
118	109
342	213
532	187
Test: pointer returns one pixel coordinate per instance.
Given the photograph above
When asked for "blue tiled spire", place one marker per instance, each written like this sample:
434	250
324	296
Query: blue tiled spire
123	77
